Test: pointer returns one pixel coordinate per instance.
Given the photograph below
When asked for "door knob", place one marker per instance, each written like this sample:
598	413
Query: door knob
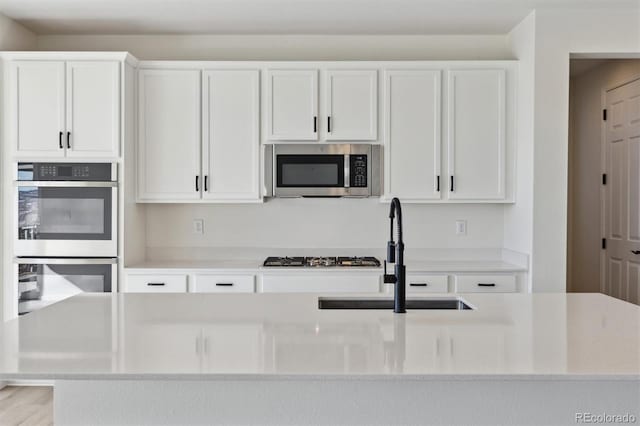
635	251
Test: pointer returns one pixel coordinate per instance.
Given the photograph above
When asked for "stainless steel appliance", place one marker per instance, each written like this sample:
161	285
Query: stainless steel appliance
322	261
325	170
43	281
66	209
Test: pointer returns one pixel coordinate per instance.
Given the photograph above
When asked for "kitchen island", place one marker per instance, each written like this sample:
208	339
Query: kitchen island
279	359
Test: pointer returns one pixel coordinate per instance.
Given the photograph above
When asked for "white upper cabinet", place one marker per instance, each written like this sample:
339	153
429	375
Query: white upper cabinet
93	109
38	102
169	136
476	132
352	105
231	135
292	105
66	108
412	116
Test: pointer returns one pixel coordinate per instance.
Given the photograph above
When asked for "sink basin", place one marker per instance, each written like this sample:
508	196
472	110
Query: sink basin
333	303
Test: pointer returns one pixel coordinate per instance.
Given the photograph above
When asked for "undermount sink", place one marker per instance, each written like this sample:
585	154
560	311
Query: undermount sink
450	304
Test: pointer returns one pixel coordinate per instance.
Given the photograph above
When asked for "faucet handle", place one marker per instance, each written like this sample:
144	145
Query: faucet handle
388	278
391	251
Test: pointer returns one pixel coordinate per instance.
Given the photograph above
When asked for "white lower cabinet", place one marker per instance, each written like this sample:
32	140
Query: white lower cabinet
155	283
485	283
207	283
321	283
424	283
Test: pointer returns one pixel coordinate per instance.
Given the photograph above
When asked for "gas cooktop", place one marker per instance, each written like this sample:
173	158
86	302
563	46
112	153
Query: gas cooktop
322	261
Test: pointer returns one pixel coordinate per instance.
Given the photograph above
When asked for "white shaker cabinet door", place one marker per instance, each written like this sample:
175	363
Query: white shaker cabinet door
38	105
231	135
352	105
169	117
292	104
413	137
476	132
93	109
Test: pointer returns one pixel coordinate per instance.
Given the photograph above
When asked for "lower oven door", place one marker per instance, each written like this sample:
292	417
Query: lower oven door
66	219
43	281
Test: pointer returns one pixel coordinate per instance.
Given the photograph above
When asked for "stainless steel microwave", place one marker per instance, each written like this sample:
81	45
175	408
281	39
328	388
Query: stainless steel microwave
324	170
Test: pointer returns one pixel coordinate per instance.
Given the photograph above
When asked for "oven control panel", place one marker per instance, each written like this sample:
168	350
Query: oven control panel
100	172
358	171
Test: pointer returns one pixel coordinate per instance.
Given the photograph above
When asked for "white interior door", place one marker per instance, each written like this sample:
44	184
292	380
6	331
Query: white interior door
412	125
476	134
38	105
622	209
169	114
231	148
93	109
352	105
293	104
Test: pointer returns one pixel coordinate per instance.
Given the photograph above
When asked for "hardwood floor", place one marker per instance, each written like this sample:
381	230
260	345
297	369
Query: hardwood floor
26	406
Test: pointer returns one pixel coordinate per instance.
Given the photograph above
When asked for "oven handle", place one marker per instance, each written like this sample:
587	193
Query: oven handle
65	184
67	261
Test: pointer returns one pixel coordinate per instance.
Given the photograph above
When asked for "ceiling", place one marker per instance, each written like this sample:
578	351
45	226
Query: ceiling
279	16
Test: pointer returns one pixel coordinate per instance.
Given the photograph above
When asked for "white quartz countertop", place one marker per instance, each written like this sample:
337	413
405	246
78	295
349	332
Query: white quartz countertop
255	265
218	336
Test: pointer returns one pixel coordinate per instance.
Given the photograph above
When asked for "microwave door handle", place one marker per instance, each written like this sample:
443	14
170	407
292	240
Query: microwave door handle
347	173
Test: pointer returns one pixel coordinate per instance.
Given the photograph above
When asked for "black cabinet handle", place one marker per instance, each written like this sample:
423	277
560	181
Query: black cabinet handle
418	284
155	284
60	141
69	140
206	178
224	284
635	251
486	284
438	183
315	124
452	187
197	183
329	124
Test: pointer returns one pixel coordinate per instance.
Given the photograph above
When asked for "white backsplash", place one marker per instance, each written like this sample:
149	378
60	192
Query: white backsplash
320	223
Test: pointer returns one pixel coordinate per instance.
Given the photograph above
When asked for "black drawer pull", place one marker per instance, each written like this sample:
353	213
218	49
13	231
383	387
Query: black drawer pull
224	284
418	284
69	140
315	124
635	251
60	141
486	284
156	284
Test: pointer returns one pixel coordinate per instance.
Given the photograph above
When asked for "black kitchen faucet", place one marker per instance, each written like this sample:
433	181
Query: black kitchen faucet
395	254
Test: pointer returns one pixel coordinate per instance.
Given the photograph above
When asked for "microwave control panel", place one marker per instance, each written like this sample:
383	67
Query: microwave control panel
358	171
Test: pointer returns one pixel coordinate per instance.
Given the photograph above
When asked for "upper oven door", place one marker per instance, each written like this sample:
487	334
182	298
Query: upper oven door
66	218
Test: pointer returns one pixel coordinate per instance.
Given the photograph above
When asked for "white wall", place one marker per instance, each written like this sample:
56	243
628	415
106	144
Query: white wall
288	47
14	36
560	32
321	223
585	169
518	218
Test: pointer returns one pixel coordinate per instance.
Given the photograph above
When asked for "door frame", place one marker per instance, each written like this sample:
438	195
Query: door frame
603	170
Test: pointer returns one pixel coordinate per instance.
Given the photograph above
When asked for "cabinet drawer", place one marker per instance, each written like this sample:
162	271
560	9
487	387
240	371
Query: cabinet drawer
223	284
346	283
423	283
165	283
485	283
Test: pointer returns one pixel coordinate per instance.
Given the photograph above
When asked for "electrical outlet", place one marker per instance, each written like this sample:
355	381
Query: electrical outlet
461	227
198	226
